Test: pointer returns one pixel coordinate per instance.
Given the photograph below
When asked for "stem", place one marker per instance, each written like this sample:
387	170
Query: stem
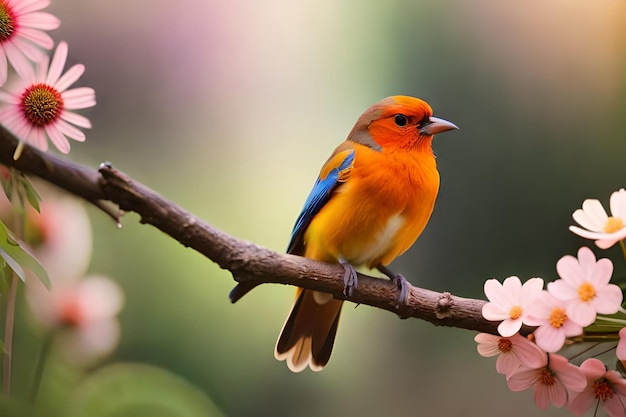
8	335
41	365
621	245
611	320
9	320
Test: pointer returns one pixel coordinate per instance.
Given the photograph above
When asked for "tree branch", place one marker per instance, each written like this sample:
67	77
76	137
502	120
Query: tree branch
250	265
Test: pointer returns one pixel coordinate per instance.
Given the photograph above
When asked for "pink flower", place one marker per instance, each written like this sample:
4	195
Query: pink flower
550	383
508	302
514	351
82	312
38	106
59	235
21	33
620	351
605	230
549	313
585	286
605	387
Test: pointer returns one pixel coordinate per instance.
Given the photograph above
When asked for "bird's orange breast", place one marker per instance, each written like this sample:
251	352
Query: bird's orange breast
379	212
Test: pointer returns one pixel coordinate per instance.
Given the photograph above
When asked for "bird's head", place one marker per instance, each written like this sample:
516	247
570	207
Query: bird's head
398	122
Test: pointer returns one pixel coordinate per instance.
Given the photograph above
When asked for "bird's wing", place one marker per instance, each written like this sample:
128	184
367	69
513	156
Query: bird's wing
334	172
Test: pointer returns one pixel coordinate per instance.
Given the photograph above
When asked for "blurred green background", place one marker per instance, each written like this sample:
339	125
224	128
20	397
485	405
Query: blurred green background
230	108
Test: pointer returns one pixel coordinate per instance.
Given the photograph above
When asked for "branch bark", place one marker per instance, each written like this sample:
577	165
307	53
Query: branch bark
250	264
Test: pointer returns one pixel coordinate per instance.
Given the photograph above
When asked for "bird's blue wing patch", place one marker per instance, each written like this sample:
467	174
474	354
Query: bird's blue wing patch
318	197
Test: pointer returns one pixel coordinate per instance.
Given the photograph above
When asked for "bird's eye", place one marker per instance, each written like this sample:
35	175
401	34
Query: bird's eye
401	120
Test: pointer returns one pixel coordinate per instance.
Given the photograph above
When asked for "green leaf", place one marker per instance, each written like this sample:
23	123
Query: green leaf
23	257
16	257
7	186
13	264
32	195
129	390
18	188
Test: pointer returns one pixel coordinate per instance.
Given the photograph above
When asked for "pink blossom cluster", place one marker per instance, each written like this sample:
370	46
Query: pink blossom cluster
557	317
39	106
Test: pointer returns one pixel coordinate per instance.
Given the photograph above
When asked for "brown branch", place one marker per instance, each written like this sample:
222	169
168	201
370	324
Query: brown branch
249	264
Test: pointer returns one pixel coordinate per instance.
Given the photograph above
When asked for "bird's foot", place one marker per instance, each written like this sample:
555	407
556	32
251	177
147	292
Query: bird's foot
350	279
401	283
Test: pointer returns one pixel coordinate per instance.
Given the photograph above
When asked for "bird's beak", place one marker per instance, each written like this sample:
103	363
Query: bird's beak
436	125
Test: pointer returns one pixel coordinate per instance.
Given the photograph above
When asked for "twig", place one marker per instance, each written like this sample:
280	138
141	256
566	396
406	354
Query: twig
250	265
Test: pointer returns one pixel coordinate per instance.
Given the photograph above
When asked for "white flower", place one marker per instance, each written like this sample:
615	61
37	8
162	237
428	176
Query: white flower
585	286
605	230
509	301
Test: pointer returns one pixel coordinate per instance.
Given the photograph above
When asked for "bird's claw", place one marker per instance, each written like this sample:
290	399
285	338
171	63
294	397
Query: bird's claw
350	279
401	284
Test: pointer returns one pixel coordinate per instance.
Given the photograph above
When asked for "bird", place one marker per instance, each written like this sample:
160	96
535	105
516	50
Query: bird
371	201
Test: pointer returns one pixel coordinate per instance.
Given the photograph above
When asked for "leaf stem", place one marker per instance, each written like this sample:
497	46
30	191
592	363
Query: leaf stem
8	335
41	364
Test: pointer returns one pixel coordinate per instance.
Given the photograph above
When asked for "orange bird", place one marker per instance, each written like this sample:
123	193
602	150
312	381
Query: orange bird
371	201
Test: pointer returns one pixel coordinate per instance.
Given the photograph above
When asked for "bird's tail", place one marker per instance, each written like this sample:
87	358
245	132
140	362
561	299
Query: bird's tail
309	332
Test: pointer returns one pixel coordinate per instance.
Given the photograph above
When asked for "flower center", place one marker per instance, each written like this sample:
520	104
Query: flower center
557	317
586	292
613	224
602	390
505	345
72	312
516	312
546	377
7	21
41	104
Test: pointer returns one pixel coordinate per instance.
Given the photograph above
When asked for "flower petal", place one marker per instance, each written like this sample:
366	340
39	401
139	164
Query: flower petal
617	204
549	339
79	98
39	20
595	213
70	77
593	369
522	379
57	138
39	38
56	66
569	270
493	312
529	354
582	313
28	6
582	402
509	327
4	70
76	119
507	364
608	299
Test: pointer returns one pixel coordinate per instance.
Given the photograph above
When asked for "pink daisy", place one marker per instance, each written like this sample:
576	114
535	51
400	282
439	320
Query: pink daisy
550	383
603	387
549	313
38	106
21	33
585	286
514	351
83	313
605	230
508	302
